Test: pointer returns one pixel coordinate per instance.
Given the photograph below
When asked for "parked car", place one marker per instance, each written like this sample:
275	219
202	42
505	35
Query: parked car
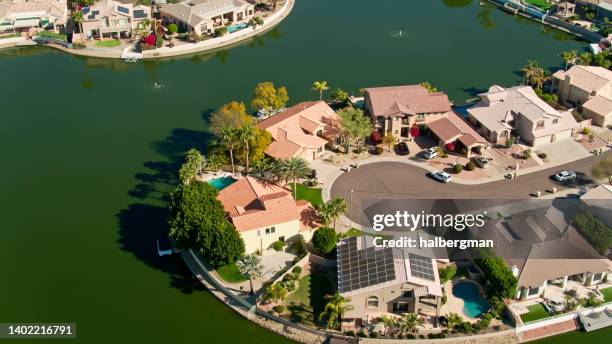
430	153
480	161
440	176
402	148
565	176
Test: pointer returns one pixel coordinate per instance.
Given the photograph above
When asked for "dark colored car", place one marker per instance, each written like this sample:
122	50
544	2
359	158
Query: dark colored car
402	148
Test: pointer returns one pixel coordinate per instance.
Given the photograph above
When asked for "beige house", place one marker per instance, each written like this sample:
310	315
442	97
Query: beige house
398	108
114	18
302	131
204	16
503	112
589	89
22	15
264	213
384	280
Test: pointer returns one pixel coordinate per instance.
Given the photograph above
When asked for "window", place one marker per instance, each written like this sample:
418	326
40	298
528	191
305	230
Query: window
320	149
400	307
598	277
272	229
407	293
258	233
267	230
555	121
372	302
420	117
533	291
540	125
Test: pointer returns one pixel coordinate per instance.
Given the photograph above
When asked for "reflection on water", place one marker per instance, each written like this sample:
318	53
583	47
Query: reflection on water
457	3
398	34
484	18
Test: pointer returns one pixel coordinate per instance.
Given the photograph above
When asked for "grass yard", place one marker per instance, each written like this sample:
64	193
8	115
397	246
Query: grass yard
535	312
229	273
307	302
312	195
607	294
50	34
108	43
543	4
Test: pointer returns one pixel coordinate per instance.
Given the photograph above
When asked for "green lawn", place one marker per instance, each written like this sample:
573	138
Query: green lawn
229	273
543	4
50	34
535	312
108	43
307	302
312	195
607	294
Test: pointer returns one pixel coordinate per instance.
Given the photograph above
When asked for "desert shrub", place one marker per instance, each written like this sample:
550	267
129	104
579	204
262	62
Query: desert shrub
297	270
378	150
172	28
458	168
279	308
586	131
220	31
527	153
542	155
470	166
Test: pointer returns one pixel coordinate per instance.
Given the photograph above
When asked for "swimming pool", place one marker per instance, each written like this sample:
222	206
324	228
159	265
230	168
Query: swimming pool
221	182
473	303
236	27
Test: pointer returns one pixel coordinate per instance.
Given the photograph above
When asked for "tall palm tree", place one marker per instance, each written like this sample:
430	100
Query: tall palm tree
77	17
246	134
335	308
569	57
293	169
325	213
339	207
228	136
453	319
320	86
529	70
250	267
409	322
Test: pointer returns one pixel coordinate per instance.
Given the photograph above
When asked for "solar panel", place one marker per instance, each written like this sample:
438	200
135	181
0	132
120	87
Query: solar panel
421	267
363	268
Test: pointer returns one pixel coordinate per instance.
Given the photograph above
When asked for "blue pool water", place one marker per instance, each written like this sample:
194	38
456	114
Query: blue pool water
474	304
221	183
236	27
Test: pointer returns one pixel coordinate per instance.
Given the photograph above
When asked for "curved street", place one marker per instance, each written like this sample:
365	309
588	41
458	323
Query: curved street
396	180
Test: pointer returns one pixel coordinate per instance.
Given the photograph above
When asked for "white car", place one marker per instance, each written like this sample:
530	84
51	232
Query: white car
565	176
441	176
430	153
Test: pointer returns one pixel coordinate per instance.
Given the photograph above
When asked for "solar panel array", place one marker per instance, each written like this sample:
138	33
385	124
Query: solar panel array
421	267
363	268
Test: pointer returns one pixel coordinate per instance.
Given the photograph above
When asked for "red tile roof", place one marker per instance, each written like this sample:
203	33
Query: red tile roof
409	99
452	128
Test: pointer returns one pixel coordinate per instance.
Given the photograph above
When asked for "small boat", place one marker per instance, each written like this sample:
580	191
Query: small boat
130	60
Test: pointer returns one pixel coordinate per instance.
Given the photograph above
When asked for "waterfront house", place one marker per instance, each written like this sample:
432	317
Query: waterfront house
399	108
303	130
264	213
589	89
503	112
204	16
22	15
540	245
114	18
382	280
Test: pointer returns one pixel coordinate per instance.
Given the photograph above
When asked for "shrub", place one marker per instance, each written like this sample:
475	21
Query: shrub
297	270
465	327
458	168
220	31
300	247
510	142
542	155
279	308
278	245
373	335
159	41
378	150
444	299
410	336
172	28
289	285
527	154
324	239
499	275
313	174
349	333
470	166
595	231
361	334
586	131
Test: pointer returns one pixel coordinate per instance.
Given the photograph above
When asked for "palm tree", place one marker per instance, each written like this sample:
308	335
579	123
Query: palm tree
320	86
389	323
246	134
335	308
409	322
453	319
293	169
529	70
228	136
430	88
250	267
569	57
77	17
389	140
194	164
325	213
339	207
585	58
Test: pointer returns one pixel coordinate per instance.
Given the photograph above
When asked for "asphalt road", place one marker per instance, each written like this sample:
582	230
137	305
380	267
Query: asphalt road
394	180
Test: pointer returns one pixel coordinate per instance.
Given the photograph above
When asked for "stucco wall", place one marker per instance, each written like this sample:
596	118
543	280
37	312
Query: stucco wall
258	239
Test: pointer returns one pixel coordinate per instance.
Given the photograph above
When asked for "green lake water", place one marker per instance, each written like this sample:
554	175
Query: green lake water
89	147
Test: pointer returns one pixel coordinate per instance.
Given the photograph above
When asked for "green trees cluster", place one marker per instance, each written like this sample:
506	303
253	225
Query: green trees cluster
286	170
356	127
595	232
193	165
268	98
197	220
601	59
534	75
447	274
498	274
324	239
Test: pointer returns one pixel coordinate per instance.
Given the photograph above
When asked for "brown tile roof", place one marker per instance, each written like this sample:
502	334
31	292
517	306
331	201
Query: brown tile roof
283	149
409	99
281	116
452	128
252	203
